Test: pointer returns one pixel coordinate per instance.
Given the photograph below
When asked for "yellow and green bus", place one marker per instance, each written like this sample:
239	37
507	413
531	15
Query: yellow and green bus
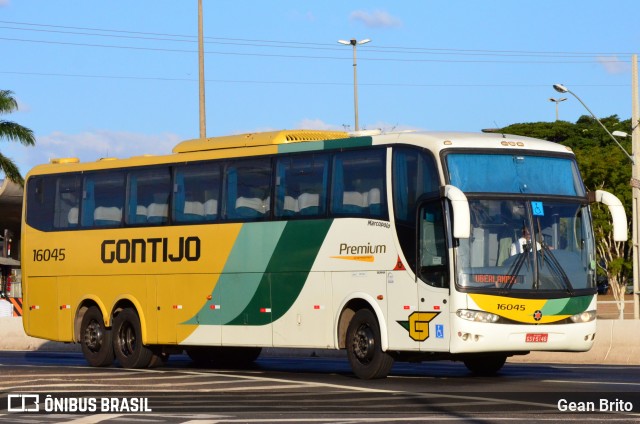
399	246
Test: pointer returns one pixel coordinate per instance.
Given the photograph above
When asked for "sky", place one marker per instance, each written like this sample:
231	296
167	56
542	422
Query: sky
120	78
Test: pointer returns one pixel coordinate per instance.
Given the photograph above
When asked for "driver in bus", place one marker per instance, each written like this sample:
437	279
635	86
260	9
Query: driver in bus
523	244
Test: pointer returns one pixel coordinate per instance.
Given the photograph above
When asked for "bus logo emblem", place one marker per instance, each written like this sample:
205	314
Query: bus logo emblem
537	315
418	325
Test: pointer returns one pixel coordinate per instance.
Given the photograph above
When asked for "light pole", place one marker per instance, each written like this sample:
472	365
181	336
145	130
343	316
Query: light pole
635	186
353	42
203	119
561	99
562	89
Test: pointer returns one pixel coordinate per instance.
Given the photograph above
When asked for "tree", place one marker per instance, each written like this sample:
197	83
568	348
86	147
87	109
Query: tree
602	165
12	132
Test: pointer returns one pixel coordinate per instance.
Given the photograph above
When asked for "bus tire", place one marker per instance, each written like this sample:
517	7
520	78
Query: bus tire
127	341
364	350
95	338
485	365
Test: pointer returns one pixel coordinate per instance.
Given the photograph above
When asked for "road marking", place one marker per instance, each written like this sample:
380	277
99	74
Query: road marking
90	419
599	383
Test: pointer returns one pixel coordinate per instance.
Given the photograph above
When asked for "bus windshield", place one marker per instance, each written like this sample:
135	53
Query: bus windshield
514	173
523	245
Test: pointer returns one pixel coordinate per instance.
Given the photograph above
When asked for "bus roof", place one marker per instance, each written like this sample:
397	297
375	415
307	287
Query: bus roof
265	142
437	141
256	139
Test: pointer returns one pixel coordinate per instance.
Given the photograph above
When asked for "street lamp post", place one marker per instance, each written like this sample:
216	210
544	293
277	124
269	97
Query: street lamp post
562	89
353	42
635	187
561	99
203	119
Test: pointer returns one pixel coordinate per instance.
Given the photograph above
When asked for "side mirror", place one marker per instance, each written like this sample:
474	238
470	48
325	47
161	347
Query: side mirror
618	216
461	215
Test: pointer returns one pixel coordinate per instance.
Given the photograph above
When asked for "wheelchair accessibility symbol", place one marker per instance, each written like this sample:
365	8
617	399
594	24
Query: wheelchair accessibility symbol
537	208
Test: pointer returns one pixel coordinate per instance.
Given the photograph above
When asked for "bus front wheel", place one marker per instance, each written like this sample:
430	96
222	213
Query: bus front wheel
97	347
364	350
127	341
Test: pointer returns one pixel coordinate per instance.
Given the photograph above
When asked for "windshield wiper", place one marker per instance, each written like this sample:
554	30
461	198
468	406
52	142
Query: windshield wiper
555	267
514	269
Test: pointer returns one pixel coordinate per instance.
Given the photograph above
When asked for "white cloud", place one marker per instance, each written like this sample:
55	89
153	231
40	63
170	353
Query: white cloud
93	145
613	65
375	19
4	3
317	124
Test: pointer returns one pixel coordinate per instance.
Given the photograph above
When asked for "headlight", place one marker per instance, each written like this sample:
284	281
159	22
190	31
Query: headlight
477	316
586	316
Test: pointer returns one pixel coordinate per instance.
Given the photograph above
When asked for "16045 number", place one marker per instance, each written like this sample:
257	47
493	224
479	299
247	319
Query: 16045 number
46	255
511	307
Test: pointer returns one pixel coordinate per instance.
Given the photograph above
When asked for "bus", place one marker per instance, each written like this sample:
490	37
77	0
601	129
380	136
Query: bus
404	246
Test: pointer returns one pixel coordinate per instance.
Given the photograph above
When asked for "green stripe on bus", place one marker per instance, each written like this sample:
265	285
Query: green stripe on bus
348	142
342	143
242	273
286	273
571	306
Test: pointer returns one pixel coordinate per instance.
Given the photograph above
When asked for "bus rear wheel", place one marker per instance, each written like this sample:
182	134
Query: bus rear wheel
95	339
364	350
127	341
485	364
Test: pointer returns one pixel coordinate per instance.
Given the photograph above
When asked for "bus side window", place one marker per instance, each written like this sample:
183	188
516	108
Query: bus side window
301	186
432	248
196	193
41	195
102	199
248	185
414	174
149	191
359	184
67	202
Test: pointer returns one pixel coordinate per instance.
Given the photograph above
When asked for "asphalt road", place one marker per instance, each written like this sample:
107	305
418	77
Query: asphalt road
310	389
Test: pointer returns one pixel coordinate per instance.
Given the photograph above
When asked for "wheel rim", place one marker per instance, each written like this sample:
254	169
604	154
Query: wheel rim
364	344
93	336
127	339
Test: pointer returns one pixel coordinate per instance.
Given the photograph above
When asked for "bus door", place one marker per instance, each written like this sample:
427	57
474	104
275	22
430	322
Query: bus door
431	321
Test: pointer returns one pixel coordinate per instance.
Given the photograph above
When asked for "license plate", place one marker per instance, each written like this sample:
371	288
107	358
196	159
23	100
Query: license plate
536	338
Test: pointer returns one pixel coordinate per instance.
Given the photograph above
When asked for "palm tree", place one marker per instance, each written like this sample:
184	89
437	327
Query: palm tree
12	132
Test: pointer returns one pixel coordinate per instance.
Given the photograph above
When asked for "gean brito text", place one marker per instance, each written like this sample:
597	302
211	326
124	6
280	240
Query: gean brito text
157	249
